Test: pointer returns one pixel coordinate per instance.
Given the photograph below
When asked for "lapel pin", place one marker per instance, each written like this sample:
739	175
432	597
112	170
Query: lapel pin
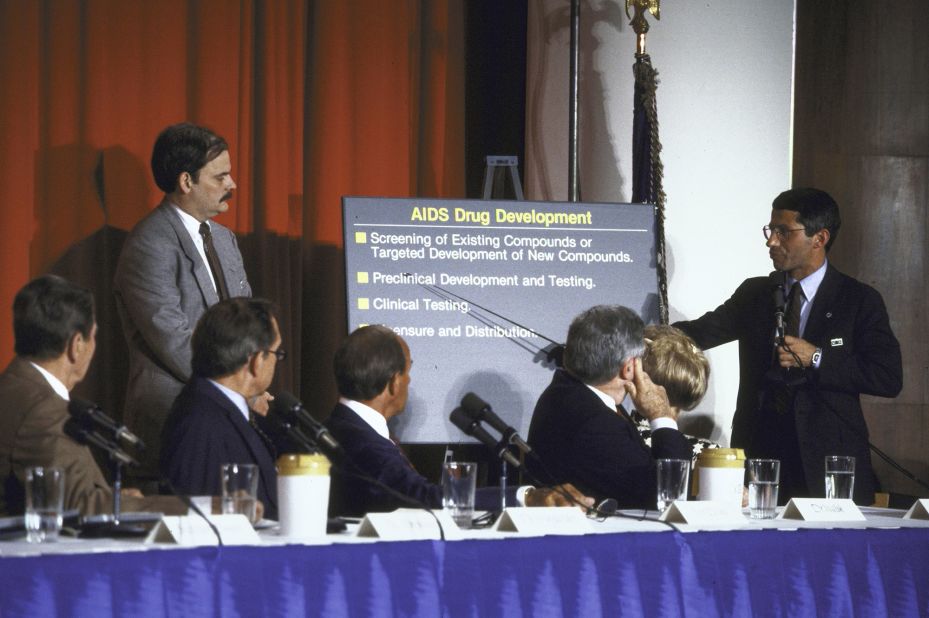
836	342
829	315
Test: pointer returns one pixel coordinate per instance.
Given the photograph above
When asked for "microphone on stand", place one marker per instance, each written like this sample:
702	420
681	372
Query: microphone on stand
90	414
780	305
472	427
290	408
480	410
75	429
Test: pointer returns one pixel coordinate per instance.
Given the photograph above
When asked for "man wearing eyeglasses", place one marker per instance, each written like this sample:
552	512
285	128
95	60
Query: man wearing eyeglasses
236	347
800	385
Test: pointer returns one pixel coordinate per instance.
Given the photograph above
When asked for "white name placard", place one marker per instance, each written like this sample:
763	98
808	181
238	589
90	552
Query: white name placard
919	510
713	513
821	509
409	525
193	530
542	520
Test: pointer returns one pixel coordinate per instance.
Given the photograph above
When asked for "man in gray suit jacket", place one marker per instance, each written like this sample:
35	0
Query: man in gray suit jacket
164	279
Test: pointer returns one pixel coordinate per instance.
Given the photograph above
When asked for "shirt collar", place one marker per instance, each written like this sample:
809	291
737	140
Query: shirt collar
811	282
190	222
369	415
234	397
56	384
606	399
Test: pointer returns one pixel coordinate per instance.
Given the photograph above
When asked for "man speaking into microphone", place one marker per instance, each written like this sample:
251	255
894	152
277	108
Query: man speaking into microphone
798	396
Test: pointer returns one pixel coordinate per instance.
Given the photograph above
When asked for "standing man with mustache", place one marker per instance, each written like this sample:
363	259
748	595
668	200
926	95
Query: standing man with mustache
175	264
799	398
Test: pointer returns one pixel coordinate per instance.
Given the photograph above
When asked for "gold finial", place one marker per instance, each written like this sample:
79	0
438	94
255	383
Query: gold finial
638	23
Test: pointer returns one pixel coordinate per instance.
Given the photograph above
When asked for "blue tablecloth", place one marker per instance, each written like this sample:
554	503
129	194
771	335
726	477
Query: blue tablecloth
761	573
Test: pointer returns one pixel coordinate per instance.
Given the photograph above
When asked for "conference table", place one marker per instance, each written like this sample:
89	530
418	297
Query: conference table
633	566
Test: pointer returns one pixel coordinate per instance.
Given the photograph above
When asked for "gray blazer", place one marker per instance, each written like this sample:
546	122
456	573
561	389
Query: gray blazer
162	288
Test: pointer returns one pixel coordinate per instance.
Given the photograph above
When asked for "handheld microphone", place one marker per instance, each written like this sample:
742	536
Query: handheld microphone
780	304
480	410
466	423
89	413
290	407
84	435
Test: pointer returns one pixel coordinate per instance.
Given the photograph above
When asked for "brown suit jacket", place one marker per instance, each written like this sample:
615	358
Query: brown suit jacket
32	417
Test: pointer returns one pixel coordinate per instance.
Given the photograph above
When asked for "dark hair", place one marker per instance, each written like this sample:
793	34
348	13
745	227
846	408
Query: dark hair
229	333
47	312
816	210
600	340
183	148
366	361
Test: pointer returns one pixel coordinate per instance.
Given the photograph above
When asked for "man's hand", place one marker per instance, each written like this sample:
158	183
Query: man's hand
802	348
130	492
555	496
651	400
259	404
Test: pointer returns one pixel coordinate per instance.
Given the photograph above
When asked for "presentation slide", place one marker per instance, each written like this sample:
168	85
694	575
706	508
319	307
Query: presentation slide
479	289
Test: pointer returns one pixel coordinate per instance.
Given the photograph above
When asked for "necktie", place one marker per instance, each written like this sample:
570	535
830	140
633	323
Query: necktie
212	259
794	302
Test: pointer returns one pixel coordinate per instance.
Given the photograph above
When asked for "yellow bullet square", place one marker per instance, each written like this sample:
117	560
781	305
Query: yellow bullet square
361	238
362	277
363	303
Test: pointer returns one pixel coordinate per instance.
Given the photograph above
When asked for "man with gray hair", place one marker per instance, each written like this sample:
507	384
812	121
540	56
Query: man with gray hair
580	431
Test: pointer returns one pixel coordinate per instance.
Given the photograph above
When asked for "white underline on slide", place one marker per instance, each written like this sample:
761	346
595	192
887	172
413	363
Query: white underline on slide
500	227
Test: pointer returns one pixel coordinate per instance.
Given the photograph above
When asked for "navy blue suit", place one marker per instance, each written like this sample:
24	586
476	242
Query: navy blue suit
600	451
369	452
205	430
849	322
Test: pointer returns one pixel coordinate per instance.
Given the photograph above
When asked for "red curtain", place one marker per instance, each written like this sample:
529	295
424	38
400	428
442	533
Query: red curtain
316	99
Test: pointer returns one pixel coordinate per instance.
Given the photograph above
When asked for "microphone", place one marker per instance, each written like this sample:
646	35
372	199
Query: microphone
480	410
466	423
84	435
780	304
90	414
290	407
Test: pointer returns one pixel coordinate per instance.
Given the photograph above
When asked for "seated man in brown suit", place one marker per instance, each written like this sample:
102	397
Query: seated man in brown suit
55	337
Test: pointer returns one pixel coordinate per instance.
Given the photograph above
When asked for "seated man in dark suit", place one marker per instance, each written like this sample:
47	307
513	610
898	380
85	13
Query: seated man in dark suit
55	337
236	346
372	370
579	430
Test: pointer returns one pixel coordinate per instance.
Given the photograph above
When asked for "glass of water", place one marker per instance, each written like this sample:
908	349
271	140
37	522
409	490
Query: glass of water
763	478
45	494
673	475
459	480
240	489
840	477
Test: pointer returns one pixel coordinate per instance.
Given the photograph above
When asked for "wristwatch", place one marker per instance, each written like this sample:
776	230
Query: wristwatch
817	355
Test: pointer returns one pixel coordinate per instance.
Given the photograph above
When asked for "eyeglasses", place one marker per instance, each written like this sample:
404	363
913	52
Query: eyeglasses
780	231
280	353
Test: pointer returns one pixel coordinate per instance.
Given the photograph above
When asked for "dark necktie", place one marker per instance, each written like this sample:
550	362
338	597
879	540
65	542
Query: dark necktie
212	259
402	452
794	303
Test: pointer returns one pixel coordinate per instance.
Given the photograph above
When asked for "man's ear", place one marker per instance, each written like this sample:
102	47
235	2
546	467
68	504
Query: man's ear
185	182
822	236
75	346
627	370
254	361
392	384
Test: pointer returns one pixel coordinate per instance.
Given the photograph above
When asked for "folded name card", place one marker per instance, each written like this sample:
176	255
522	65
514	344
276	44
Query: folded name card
704	513
919	510
193	530
409	525
821	509
542	520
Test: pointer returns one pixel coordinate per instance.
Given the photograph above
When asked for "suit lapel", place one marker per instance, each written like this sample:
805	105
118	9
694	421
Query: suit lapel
204	282
253	442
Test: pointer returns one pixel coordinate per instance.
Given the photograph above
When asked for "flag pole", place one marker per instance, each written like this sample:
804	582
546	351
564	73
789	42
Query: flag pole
647	169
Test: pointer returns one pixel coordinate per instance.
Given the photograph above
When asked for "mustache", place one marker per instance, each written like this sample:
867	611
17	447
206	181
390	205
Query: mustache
226	197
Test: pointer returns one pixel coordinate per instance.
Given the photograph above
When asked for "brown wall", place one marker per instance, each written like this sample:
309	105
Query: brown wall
862	133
